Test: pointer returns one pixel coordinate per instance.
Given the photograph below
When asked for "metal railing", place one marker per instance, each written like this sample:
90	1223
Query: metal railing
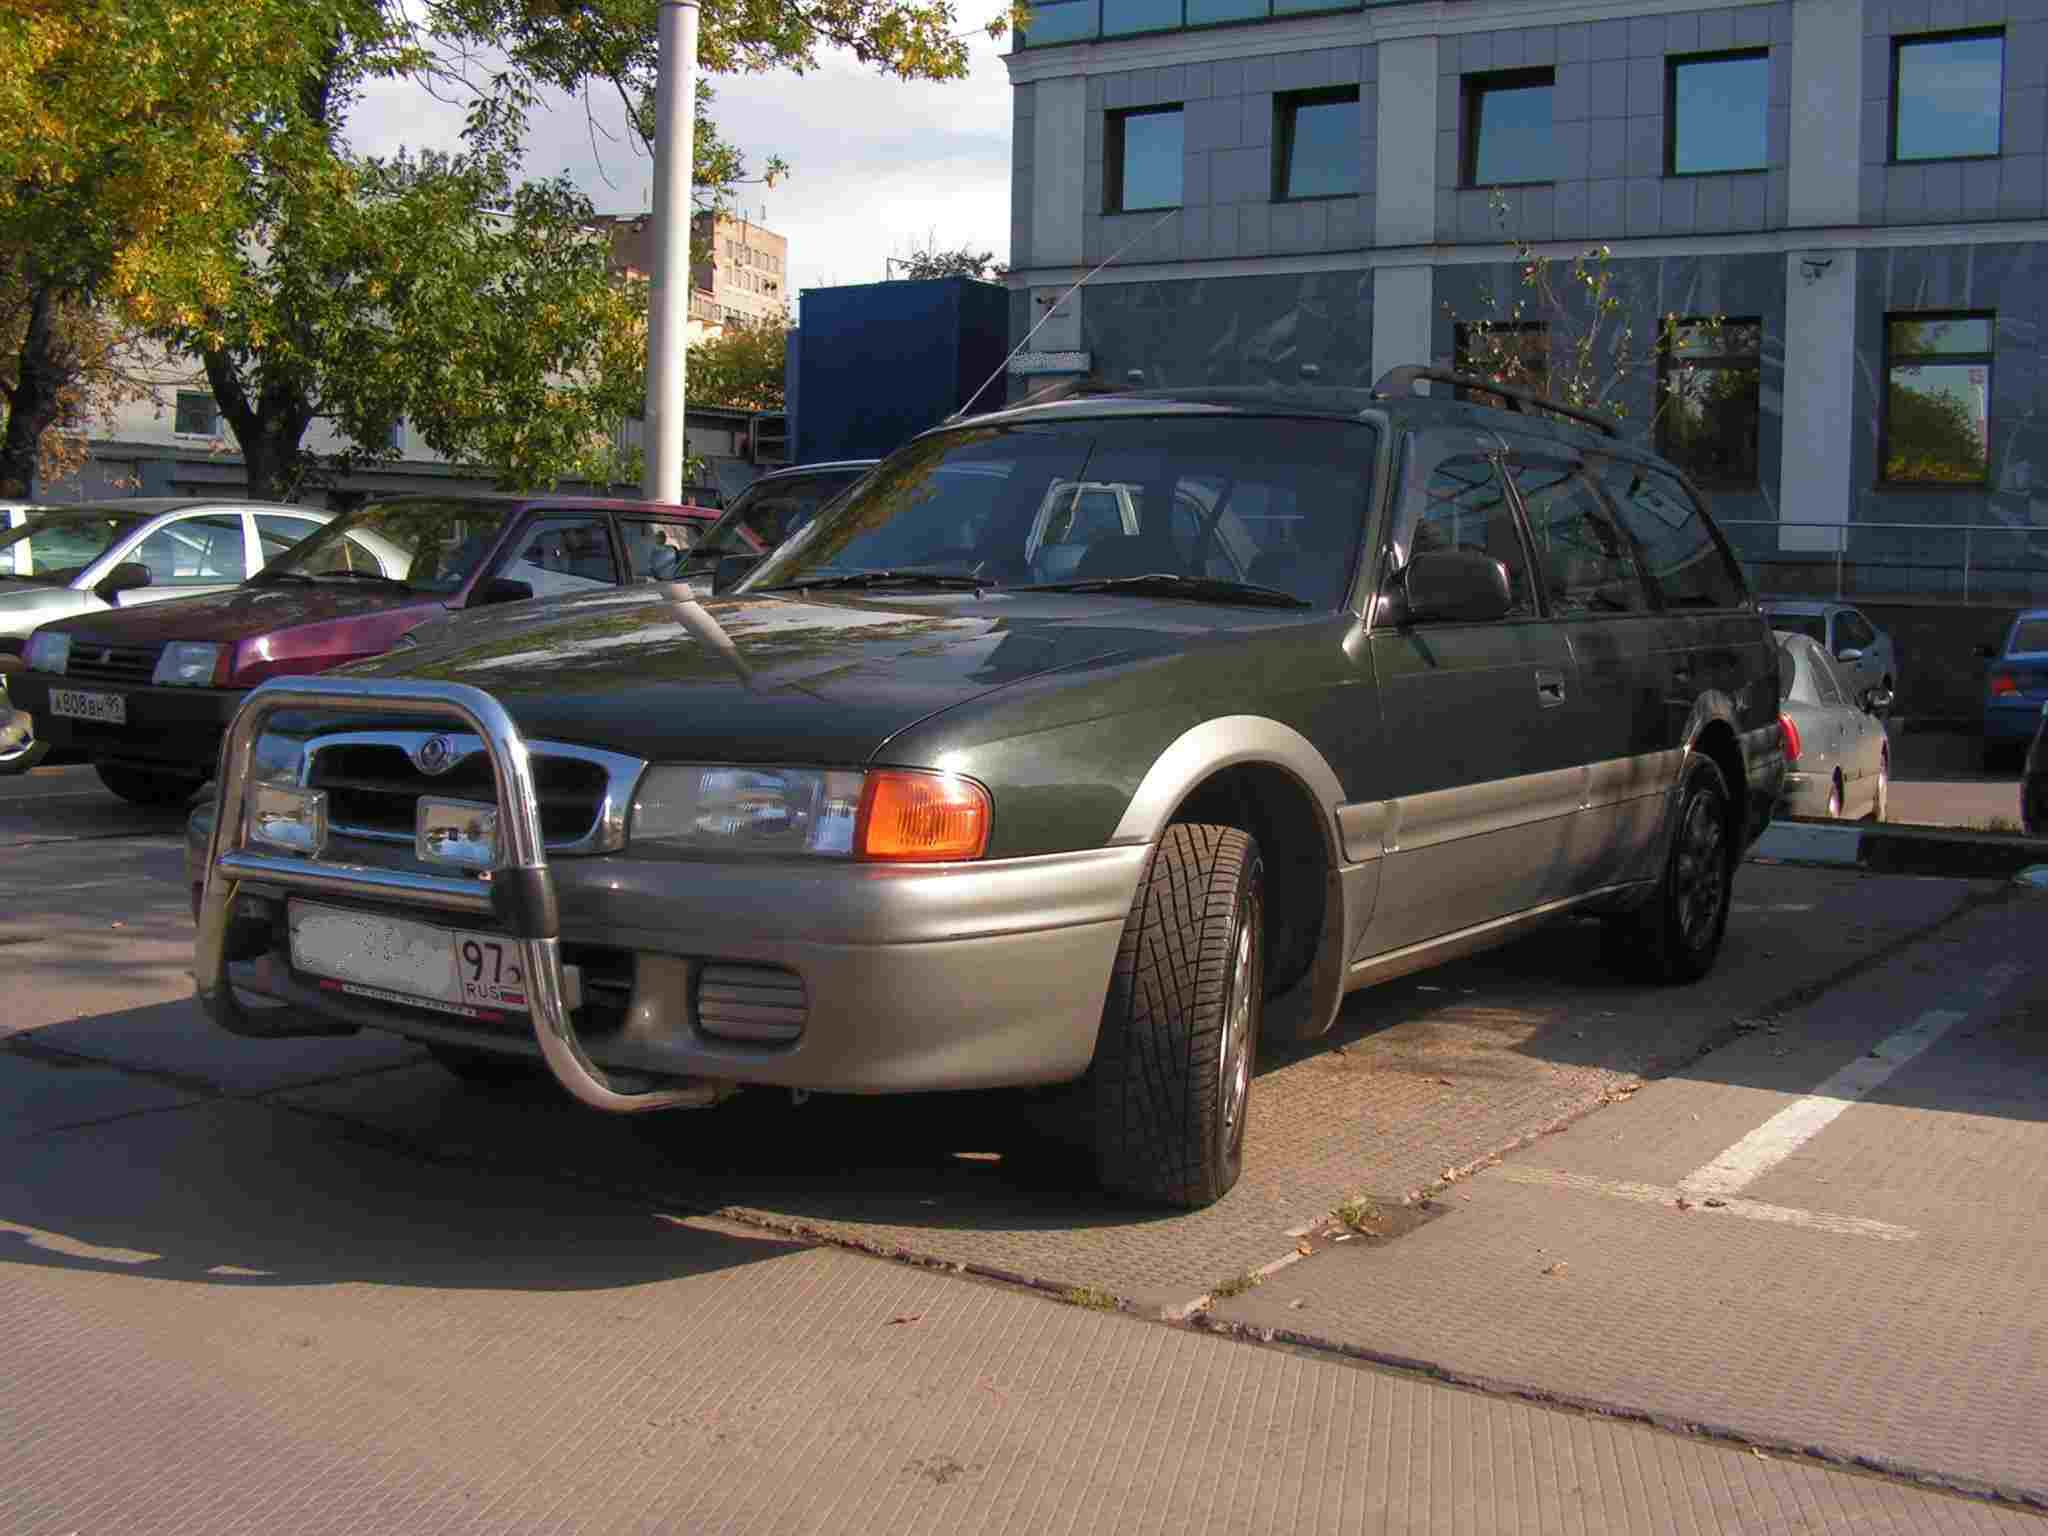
1988	563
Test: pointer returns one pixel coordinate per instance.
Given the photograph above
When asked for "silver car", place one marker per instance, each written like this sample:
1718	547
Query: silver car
59	561
1837	752
1865	656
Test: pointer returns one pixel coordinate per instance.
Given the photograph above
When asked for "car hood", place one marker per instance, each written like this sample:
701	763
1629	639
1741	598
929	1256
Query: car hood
27	604
812	679
244	613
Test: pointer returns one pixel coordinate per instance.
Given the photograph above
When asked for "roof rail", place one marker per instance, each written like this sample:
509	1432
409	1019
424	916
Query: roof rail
1399	384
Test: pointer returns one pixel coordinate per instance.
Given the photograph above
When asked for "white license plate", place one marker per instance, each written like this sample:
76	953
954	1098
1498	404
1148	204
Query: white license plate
109	708
393	960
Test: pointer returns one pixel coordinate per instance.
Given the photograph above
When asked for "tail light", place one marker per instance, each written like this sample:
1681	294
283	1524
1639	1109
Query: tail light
2004	684
1789	733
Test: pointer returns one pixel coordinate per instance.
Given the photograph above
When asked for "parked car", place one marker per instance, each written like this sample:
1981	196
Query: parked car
2034	782
89	557
1838	759
1865	656
2015	687
1380	679
146	695
767	512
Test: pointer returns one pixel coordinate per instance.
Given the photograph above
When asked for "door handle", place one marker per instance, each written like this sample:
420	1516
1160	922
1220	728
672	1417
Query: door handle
1549	688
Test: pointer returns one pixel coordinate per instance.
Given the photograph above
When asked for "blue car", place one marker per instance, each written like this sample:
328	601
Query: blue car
2015	687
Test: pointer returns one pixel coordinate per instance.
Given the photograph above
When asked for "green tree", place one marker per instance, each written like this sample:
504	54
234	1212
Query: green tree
1565	332
742	367
929	261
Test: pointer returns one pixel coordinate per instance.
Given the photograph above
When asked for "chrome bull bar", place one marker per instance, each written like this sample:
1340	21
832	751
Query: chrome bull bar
520	893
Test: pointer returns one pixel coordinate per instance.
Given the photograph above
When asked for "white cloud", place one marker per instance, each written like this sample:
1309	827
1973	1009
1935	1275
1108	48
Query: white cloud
876	164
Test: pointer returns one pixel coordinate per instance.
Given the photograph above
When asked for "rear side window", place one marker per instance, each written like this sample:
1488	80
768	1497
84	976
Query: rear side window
1825	682
1687	565
2028	636
1811	625
1855	633
1587	564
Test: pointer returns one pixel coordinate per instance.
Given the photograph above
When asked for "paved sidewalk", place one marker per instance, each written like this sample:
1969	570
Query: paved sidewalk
1827	1234
222	1320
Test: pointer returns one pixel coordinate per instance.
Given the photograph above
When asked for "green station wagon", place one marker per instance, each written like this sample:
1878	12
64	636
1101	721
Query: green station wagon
1337	685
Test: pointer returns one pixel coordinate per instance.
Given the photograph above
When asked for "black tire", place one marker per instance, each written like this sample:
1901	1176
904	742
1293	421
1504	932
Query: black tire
484	1068
1677	933
1180	1027
147	786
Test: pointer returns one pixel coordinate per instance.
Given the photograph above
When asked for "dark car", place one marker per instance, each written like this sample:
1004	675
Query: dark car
1377	679
146	693
2034	782
767	512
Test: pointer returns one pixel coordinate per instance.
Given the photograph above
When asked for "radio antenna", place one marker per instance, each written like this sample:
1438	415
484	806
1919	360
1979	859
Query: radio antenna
1003	367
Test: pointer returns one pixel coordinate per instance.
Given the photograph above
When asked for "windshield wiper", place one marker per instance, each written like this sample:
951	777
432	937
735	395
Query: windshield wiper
1201	589
899	576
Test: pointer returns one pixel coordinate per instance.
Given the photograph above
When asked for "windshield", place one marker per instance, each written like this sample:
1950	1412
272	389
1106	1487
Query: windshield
431	543
769	511
1269	502
1812	625
55	545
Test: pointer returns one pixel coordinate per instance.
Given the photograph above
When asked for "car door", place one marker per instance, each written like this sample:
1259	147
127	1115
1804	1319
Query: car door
1476	763
658	548
187	555
1859	663
277	532
1845	731
1624	658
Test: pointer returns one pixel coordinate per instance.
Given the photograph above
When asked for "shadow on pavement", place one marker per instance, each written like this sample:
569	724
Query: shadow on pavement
235	1195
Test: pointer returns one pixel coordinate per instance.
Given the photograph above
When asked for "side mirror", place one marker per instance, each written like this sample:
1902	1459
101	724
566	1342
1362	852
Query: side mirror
1852	653
1984	652
502	589
729	571
1878	700
128	576
1454	585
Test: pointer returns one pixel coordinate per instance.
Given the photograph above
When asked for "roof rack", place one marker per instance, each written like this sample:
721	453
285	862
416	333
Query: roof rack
1399	384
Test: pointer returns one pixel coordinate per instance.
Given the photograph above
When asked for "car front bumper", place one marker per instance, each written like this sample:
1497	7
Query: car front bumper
911	977
179	729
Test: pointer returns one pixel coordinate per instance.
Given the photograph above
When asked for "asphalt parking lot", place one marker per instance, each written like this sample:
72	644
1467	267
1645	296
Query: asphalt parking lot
1796	1206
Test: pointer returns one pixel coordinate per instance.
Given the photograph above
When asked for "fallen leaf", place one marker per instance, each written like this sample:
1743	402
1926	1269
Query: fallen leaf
1557	1269
1682	1203
1343	1237
1297	1303
905	1317
1758	1454
1445	1081
1464	1194
1303	1248
1715	1204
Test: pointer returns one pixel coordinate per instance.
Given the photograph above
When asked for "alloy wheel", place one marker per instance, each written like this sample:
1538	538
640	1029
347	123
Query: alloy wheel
1234	1069
1701	886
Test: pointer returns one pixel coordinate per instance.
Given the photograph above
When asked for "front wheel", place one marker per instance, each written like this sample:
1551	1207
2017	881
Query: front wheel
1180	1027
1677	933
145	786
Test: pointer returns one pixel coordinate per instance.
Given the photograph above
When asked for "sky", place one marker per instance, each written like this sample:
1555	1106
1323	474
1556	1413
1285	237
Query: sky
877	166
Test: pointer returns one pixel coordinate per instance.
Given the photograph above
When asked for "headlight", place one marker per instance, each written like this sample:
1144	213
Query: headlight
890	814
186	664
49	652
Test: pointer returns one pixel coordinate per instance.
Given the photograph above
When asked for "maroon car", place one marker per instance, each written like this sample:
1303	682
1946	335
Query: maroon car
146	692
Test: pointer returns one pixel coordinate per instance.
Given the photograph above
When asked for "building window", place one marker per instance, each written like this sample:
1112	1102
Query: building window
1513	352
197	415
1142	160
1121	17
1946	95
1717	113
1507	128
1709	409
1937	407
1315	144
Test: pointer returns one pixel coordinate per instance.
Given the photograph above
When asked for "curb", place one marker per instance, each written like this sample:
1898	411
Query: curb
1950	852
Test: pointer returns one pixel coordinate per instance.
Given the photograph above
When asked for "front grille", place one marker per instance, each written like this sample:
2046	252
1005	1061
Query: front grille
92	662
373	789
759	1004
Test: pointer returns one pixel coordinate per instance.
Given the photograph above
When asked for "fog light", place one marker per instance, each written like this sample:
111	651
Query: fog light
462	833
284	816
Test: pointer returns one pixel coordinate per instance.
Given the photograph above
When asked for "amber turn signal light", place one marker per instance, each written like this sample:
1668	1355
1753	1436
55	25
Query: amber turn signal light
922	817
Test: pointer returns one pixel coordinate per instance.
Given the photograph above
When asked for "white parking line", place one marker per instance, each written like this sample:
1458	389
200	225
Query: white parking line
1798	1123
1754	1210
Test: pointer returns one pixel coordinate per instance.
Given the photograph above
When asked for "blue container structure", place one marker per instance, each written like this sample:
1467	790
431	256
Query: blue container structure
877	363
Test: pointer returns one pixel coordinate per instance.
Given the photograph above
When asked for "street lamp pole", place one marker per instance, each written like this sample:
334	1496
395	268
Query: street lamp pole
675	117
